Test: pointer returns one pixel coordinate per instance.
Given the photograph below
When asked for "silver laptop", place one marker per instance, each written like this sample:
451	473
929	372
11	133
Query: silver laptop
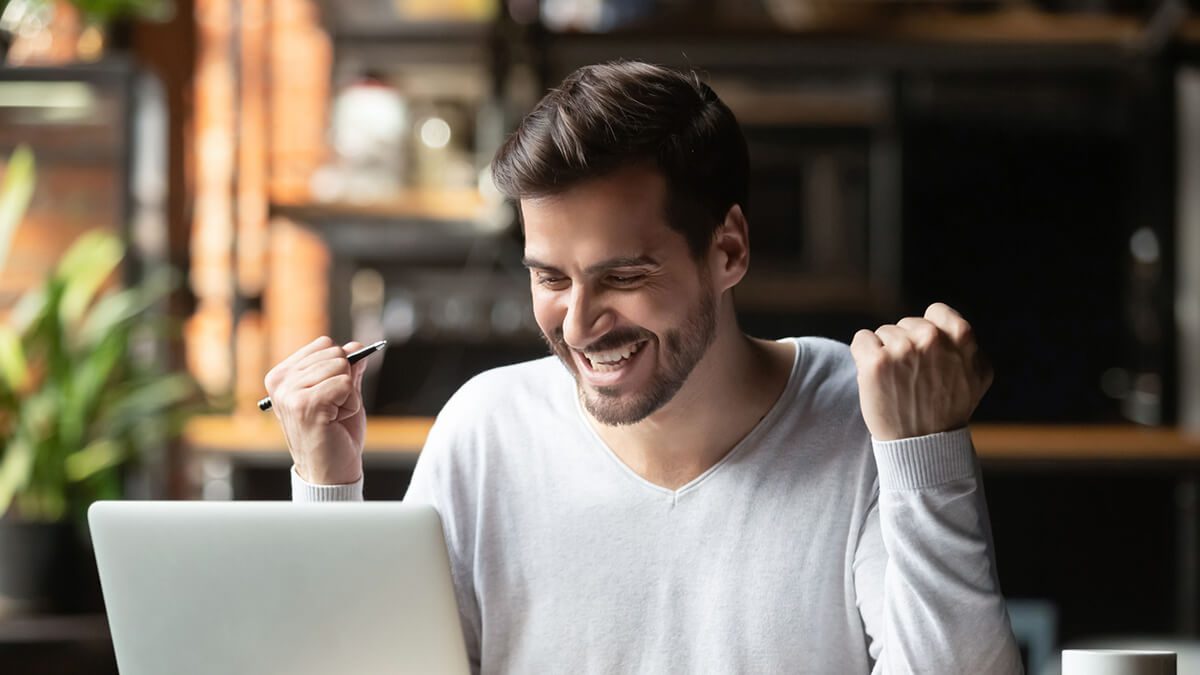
277	587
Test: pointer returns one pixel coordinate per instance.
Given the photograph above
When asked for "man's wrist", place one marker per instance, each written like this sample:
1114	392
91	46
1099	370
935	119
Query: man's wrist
325	476
924	461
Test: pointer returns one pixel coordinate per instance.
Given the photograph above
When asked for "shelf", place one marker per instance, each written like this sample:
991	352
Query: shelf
1085	443
440	33
253	434
1015	25
1074	443
450	205
51	628
411	227
884	40
114	66
768	293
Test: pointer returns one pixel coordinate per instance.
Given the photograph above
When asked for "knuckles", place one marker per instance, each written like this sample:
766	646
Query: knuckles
962	334
325	354
924	336
872	362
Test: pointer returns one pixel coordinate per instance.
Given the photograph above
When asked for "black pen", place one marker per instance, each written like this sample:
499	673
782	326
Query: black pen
355	357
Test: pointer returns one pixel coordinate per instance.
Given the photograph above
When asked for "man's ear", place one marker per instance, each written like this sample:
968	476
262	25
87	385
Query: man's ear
729	254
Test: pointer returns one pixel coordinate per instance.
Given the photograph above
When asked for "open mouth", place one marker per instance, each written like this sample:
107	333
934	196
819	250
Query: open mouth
613	359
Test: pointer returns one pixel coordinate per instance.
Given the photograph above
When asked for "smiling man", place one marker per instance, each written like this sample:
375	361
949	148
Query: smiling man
682	497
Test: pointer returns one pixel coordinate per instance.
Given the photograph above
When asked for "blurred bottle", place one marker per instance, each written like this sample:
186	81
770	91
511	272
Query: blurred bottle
446	10
591	16
370	123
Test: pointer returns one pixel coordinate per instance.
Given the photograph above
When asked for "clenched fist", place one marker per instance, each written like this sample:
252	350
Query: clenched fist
919	376
317	397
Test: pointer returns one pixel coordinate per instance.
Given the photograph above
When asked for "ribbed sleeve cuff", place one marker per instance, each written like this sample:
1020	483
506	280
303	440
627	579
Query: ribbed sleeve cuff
303	491
924	461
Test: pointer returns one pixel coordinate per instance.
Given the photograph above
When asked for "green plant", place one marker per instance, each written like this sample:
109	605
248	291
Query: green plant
105	11
76	406
102	12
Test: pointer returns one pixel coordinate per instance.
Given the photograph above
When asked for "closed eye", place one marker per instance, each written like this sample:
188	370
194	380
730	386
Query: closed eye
625	279
550	281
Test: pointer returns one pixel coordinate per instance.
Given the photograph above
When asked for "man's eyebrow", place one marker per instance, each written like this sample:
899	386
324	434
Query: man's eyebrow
534	263
611	263
614	263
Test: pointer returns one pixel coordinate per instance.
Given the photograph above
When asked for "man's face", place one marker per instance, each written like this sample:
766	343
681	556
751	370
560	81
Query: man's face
617	294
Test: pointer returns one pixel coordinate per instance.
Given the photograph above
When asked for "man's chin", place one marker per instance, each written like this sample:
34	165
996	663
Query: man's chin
615	410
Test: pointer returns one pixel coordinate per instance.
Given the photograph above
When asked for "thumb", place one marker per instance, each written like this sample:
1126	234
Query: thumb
359	368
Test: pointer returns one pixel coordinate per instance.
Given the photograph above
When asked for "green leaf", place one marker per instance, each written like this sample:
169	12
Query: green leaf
91	378
29	309
13	366
97	456
84	268
122	306
45	341
16	468
40	413
147	399
16	192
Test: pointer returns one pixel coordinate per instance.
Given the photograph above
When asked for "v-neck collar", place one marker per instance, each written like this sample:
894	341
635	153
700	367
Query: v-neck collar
776	410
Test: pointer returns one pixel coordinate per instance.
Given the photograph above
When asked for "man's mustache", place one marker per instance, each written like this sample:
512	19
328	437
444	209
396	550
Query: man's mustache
618	337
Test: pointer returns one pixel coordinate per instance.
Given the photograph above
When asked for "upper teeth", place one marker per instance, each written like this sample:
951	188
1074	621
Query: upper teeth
614	355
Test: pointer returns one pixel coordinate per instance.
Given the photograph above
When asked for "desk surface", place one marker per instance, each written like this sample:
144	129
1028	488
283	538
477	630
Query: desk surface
259	434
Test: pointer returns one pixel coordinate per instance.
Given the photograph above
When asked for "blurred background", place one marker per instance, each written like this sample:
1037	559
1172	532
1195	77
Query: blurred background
240	177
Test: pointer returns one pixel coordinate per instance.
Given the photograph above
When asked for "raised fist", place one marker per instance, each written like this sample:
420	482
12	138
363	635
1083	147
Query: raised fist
919	376
317	396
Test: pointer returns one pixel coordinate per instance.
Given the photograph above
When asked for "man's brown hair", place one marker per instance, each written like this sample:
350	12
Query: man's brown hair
612	115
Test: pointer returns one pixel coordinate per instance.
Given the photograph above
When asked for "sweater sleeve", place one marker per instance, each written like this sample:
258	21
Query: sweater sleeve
924	569
303	491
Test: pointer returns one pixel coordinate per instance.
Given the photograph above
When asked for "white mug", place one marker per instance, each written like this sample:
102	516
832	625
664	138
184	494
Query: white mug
1117	662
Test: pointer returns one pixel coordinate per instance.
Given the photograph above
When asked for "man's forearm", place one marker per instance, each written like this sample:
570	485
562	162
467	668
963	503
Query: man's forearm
942	609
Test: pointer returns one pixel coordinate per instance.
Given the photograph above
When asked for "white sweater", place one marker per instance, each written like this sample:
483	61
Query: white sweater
807	549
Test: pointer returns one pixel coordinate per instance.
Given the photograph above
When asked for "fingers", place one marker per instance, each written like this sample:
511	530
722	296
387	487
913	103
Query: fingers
324	401
962	335
320	371
275	375
923	333
866	346
895	339
951	323
919	376
315	372
319	356
350	407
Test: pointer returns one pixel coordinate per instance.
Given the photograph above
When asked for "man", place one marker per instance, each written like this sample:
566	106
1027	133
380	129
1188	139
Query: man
682	497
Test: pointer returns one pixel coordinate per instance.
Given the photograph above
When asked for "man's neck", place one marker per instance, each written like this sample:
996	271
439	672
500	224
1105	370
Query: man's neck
731	389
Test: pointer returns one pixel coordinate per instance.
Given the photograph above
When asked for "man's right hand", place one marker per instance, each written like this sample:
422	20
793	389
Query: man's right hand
317	396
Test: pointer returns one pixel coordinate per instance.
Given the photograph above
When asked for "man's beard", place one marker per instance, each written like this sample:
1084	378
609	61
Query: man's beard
684	347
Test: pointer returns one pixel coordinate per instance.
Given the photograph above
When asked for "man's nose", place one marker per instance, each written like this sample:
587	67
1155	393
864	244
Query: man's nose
587	318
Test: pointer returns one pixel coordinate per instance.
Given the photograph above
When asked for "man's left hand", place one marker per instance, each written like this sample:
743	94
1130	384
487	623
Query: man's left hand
919	376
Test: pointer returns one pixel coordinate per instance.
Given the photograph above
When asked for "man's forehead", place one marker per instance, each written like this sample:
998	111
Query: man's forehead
618	216
632	192
566	243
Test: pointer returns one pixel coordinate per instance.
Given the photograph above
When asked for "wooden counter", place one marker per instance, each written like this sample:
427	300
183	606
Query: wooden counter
259	435
255	434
